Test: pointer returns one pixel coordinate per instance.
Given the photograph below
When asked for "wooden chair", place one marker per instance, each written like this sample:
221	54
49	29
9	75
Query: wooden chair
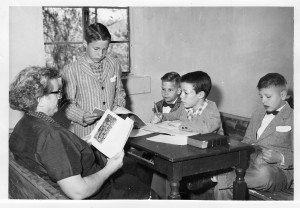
24	184
235	126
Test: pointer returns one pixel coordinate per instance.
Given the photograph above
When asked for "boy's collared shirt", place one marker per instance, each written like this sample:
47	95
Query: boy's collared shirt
204	121
265	122
167	109
191	112
97	68
85	90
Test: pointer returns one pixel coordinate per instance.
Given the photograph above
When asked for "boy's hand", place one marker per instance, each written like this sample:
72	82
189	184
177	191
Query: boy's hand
156	118
271	156
90	118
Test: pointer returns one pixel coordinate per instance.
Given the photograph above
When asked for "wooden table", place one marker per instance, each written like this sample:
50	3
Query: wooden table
176	161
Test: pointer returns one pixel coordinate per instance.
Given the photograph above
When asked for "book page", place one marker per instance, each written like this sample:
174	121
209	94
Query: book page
168	139
98	111
111	133
138	122
139	132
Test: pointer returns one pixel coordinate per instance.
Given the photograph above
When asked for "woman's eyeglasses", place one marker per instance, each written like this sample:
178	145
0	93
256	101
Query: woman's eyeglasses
58	93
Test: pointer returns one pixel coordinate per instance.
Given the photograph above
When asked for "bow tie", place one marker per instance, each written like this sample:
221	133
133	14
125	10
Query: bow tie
165	104
272	112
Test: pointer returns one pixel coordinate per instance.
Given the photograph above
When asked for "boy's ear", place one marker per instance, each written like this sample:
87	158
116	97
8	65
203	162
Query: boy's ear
283	94
201	94
179	91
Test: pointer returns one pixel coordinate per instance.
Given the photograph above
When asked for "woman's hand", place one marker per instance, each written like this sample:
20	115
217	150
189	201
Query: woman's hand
116	162
90	118
156	118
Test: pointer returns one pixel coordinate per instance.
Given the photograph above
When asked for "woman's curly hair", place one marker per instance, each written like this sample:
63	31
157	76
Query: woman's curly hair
30	84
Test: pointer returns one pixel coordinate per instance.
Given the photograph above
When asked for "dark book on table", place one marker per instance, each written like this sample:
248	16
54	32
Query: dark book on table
207	140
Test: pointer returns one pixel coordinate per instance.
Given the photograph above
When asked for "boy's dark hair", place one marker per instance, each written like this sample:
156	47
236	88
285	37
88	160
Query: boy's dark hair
171	77
272	79
200	81
97	31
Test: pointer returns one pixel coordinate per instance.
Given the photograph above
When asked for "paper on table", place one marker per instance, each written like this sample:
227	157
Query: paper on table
176	140
139	132
164	127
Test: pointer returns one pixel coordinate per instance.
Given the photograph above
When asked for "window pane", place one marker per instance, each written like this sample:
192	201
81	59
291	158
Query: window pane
116	21
59	55
92	15
62	24
120	51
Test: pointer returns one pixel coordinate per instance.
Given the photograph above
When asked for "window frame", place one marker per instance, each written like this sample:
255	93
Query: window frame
86	23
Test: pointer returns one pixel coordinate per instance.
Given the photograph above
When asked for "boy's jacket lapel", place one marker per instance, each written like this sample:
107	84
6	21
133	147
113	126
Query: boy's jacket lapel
86	68
278	120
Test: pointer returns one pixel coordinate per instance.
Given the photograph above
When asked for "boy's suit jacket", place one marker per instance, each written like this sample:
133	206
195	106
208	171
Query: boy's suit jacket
159	105
277	136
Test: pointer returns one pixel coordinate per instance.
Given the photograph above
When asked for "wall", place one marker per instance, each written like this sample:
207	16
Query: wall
235	46
26	44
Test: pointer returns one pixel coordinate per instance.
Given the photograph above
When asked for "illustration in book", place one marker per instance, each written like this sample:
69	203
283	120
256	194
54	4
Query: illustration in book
111	133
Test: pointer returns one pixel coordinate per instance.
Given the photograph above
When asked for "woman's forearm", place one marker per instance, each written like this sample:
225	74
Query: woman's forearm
77	187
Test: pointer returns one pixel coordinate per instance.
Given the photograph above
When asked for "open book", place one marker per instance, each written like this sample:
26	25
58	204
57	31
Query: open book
123	112
138	122
111	133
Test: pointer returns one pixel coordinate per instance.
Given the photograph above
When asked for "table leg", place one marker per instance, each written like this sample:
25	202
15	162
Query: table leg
239	185
174	193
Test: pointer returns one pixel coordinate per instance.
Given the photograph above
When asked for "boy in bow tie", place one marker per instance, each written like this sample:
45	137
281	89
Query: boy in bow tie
196	112
170	91
271	131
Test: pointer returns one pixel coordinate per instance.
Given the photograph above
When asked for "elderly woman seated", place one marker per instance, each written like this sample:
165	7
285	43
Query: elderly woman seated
45	147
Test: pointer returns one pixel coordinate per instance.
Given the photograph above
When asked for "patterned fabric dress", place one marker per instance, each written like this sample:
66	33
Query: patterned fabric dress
88	85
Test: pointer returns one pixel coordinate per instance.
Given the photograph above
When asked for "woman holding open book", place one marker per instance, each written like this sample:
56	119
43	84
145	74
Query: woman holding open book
63	159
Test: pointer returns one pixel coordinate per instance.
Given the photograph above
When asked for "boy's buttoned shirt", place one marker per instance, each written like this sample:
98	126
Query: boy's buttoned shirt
86	91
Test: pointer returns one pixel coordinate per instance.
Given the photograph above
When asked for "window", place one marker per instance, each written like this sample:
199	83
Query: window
64	32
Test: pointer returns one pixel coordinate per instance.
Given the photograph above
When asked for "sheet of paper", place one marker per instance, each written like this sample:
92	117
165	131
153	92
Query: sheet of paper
176	140
139	132
122	110
164	127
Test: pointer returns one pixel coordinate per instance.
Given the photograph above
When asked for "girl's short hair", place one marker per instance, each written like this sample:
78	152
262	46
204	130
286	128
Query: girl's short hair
97	31
30	84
